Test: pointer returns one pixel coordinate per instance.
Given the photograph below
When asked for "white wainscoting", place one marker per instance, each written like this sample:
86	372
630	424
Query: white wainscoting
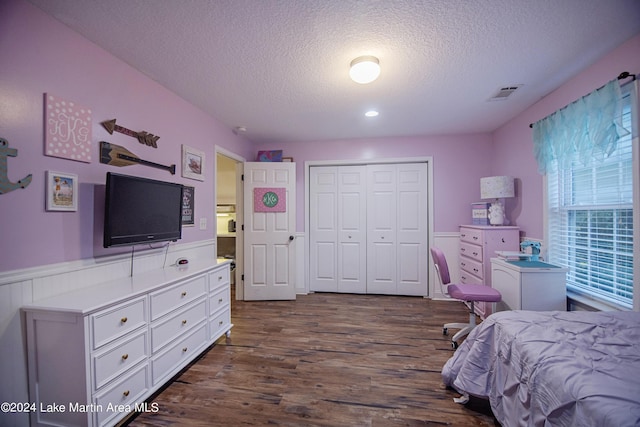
21	287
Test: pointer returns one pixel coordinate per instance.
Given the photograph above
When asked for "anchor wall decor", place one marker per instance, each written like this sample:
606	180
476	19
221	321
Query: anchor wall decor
5	185
142	136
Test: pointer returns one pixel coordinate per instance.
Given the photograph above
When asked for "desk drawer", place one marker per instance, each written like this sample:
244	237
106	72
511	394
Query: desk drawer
471	235
112	323
219	324
124	393
219	277
219	299
126	354
176	357
167	300
177	325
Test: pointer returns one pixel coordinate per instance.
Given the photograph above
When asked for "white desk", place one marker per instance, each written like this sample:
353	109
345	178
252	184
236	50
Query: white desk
529	285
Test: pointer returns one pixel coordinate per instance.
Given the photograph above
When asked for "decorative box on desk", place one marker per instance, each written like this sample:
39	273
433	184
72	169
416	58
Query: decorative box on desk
529	285
478	244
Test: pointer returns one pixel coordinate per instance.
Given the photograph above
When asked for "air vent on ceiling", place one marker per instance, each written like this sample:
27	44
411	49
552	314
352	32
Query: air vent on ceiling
504	92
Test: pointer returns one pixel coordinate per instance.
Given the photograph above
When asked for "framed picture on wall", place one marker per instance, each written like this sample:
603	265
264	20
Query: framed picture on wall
192	163
62	191
188	206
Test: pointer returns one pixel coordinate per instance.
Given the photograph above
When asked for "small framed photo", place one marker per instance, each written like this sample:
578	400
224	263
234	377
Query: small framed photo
62	191
192	163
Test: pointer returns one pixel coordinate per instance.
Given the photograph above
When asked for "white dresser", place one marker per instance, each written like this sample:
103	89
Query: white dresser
96	354
478	244
529	285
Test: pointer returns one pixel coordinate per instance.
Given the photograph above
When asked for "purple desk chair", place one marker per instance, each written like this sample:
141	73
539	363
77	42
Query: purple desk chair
463	292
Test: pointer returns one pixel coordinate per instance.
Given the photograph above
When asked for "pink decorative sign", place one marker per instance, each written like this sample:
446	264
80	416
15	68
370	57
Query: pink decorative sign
67	129
269	200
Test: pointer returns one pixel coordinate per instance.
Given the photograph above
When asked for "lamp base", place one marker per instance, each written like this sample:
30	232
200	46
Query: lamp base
496	213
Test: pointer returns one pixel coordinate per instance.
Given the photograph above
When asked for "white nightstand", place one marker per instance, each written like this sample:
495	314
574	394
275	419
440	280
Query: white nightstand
529	285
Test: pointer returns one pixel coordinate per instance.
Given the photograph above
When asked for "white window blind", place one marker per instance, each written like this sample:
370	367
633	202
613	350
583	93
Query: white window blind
590	221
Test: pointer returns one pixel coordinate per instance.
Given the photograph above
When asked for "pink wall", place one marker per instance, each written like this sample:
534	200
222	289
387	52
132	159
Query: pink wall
41	55
459	161
512	152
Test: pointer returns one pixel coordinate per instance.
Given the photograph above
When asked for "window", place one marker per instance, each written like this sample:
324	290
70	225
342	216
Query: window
590	220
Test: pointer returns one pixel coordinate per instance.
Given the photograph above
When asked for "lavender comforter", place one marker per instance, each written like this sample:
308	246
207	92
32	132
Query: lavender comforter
553	368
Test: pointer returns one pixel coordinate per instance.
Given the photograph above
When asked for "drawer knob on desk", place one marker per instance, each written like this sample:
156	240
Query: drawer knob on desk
124	320
125	356
125	393
184	350
184	293
219	278
220	323
220	301
184	322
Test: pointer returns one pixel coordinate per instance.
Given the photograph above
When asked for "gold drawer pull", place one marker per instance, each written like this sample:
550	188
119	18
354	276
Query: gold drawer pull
184	293
125	356
126	393
184	322
124	320
184	350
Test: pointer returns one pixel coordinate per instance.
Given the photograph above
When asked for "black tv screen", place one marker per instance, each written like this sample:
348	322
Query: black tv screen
141	210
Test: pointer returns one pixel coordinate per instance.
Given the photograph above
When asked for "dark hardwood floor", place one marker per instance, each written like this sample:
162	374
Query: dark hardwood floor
323	360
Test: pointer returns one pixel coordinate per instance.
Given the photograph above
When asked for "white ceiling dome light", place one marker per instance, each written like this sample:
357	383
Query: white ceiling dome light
364	69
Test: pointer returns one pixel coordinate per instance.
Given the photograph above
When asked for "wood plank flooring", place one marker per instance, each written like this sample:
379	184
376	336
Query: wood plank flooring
323	360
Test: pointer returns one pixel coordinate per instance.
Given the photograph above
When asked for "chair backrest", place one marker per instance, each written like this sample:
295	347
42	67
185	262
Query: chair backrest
442	268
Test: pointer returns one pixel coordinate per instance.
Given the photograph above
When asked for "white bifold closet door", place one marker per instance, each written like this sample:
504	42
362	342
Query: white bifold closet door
338	229
368	229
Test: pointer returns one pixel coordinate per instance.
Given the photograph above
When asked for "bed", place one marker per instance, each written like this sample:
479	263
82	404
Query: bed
553	368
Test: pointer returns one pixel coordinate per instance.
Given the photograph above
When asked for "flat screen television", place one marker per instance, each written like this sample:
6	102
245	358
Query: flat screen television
141	210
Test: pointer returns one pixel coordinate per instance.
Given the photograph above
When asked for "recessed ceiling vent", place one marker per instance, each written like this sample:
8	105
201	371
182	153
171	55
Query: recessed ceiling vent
504	93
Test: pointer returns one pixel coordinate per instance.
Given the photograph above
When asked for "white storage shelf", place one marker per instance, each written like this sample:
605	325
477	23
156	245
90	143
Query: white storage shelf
107	348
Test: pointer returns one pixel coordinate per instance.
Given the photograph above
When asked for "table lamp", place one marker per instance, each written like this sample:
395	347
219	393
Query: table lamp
496	188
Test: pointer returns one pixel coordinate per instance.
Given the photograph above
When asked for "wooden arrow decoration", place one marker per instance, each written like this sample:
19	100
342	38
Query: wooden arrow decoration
117	155
142	137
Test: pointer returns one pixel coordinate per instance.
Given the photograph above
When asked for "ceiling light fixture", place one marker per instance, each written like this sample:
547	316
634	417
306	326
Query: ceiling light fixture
364	69
371	113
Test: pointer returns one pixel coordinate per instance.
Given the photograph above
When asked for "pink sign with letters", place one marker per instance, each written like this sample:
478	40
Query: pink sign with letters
67	129
269	200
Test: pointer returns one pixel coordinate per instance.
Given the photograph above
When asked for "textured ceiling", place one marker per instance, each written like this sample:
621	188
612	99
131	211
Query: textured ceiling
280	67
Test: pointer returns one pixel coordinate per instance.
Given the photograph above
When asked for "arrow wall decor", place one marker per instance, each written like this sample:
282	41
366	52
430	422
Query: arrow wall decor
142	136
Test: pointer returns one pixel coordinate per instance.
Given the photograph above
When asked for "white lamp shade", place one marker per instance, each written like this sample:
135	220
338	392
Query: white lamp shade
496	187
364	69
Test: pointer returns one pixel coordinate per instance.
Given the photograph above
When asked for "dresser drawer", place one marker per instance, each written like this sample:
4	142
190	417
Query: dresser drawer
471	235
469	279
470	250
219	324
470	266
124	355
169	299
177	356
122	395
219	299
177	325
219	277
112	323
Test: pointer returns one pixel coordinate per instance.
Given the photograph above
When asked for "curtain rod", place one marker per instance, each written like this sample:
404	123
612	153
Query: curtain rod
621	76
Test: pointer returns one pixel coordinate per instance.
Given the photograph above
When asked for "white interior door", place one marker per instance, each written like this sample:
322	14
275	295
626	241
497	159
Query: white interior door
412	258
323	225
352	230
269	230
381	229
